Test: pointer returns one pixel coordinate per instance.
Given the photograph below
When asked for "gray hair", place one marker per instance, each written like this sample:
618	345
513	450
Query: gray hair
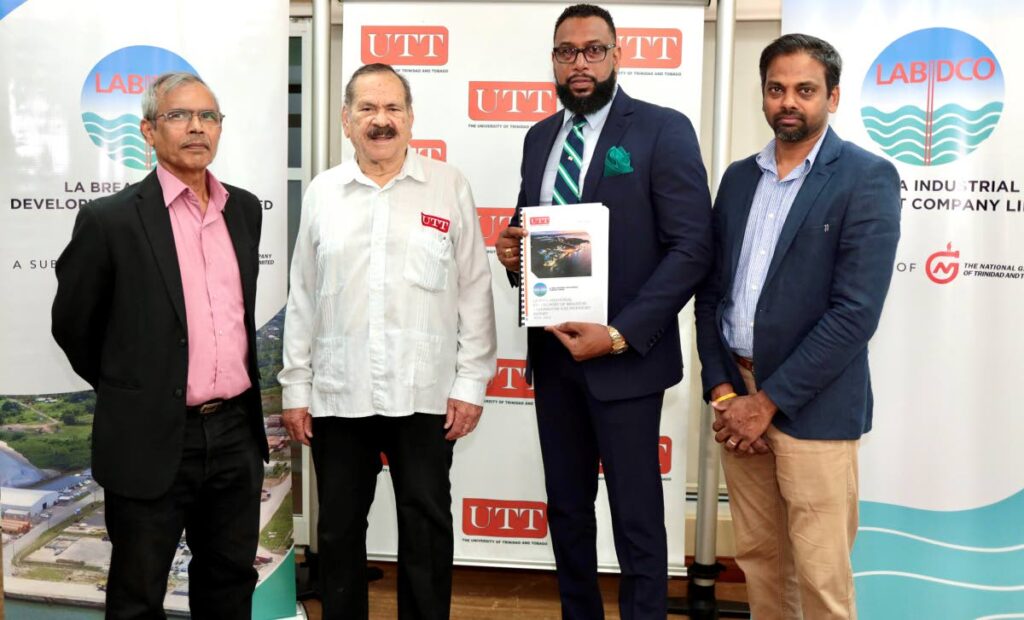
165	84
377	67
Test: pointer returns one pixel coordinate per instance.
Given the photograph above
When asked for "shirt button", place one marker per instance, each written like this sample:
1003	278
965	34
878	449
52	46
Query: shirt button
762	252
751	323
753	288
771	216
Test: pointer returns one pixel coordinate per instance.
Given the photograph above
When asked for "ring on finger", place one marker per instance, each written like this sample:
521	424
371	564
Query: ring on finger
732	443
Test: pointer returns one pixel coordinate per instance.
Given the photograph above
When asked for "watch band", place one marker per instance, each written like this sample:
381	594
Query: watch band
619	344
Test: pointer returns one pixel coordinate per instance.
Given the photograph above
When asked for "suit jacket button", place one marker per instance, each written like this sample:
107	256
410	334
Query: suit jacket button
178	392
181	342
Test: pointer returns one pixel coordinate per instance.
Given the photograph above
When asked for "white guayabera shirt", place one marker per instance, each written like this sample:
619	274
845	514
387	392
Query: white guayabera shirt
390	310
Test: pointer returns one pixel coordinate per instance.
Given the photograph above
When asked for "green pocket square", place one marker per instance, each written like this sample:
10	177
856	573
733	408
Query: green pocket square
617	162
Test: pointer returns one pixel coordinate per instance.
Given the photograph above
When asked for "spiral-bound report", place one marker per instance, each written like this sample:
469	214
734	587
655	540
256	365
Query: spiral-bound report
564	265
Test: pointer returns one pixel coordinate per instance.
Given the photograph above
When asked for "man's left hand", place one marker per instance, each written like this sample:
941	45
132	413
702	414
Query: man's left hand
461	419
740	422
583	340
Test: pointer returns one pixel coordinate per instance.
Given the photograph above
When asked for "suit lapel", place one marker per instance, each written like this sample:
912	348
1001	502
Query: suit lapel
536	163
735	242
242	241
157	223
614	127
816	180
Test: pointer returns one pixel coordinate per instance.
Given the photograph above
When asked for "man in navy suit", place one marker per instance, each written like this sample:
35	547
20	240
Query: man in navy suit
599	388
806	234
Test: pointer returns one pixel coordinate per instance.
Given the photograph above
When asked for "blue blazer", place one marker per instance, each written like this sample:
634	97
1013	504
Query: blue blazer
823	294
660	228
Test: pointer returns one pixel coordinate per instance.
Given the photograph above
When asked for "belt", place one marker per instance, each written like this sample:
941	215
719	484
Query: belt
745	362
213	406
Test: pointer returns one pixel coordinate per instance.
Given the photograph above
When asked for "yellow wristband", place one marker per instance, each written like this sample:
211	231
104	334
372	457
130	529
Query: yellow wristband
724	397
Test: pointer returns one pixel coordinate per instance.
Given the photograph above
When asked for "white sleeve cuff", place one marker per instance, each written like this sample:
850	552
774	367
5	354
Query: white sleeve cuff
468	390
296	396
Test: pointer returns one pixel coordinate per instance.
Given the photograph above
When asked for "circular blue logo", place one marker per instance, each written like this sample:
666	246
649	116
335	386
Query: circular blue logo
932	96
540	289
112	101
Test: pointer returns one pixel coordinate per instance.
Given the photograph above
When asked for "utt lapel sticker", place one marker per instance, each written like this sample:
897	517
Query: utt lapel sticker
435	222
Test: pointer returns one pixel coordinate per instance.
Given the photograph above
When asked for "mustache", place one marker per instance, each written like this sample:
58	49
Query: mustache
789	114
386	131
188	143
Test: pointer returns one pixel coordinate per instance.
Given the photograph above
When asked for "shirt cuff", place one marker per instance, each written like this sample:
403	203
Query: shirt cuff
468	390
296	396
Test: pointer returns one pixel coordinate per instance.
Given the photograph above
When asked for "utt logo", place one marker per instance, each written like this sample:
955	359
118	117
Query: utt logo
936	94
511	101
943	266
650	48
405	45
431	149
510	380
492	222
112	101
538	221
433	221
504	519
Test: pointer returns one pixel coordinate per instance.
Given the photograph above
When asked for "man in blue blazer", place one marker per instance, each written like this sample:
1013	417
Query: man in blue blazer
599	388
806	234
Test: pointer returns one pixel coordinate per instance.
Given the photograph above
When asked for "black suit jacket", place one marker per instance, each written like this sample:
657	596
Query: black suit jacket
119	316
660	238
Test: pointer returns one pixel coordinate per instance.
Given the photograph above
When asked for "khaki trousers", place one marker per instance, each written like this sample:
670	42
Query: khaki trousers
794	514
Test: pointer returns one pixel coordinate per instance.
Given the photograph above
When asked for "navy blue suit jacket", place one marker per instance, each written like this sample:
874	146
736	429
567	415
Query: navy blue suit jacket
823	294
660	228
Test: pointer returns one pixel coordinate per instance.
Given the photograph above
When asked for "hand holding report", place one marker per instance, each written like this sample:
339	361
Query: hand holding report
564	264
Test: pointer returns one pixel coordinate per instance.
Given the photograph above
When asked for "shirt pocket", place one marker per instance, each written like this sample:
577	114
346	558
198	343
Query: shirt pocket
428	257
329	364
330	269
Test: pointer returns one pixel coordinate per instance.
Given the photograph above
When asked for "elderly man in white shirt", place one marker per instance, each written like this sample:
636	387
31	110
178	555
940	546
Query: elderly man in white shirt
389	344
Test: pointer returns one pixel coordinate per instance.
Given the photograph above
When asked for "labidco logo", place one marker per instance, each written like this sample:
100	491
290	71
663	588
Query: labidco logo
511	101
943	267
431	149
405	45
650	48
112	101
932	96
504	519
492	222
510	380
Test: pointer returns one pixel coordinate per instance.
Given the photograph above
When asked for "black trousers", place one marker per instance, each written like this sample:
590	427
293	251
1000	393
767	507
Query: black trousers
346	454
215	499
576	431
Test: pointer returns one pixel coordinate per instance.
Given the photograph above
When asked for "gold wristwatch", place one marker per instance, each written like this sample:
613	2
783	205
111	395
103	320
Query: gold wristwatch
619	344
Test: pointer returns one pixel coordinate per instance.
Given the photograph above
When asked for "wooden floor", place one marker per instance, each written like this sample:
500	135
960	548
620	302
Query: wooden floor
486	593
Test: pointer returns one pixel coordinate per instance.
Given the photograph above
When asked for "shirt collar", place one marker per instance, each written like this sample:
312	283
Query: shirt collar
595	120
766	159
412	167
173	187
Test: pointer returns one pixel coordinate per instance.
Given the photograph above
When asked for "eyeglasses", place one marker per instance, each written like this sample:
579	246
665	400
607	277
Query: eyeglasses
593	53
212	118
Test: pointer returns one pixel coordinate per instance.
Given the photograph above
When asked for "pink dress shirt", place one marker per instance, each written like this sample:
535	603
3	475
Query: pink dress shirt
214	310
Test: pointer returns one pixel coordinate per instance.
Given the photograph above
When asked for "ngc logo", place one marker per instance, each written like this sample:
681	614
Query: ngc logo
431	149
492	222
510	380
405	45
943	266
651	48
511	101
504	519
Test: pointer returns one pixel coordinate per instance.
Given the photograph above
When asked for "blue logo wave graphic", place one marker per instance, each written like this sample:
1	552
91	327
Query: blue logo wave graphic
960	565
120	139
955	131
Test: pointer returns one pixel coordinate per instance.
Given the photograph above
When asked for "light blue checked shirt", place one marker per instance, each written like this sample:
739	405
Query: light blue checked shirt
591	133
772	201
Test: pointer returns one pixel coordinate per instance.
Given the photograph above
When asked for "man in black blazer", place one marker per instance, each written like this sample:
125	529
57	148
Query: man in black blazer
154	309
599	389
806	234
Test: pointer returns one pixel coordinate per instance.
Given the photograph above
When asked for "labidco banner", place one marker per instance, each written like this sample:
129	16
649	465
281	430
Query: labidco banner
69	134
936	87
476	91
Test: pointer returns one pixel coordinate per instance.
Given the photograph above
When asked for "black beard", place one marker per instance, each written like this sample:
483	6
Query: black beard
795	134
603	92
